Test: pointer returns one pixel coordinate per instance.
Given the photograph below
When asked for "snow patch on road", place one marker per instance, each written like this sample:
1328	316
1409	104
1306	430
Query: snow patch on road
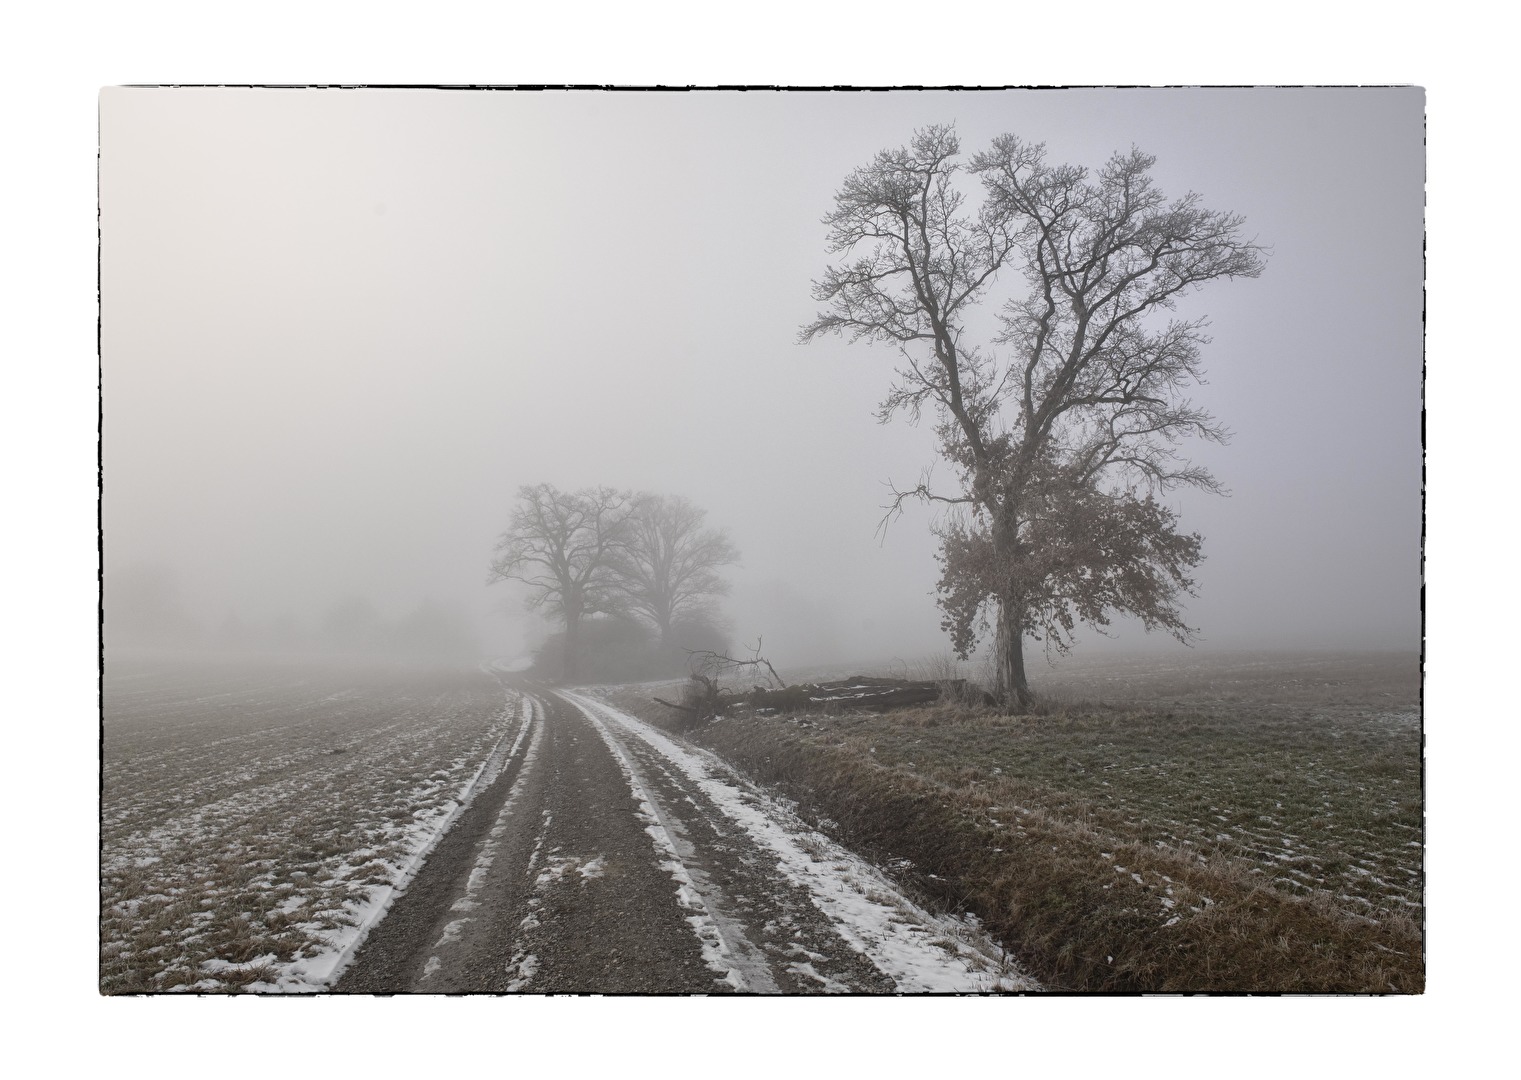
526	965
560	865
831	986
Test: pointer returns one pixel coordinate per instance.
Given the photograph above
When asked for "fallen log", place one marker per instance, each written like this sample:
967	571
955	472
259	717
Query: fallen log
706	701
673	705
872	680
856	692
883	698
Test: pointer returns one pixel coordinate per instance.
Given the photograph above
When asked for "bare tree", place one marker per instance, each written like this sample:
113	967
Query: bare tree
1062	436
561	545
668	570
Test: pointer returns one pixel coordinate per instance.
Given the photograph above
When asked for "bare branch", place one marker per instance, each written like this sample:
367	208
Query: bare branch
705	662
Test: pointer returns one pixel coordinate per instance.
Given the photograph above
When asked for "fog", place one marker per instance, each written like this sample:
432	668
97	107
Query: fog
341	328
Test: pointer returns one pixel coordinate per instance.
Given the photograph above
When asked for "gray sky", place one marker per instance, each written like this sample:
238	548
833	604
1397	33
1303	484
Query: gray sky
341	327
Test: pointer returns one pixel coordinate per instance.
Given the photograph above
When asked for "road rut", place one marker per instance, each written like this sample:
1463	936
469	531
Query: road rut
608	858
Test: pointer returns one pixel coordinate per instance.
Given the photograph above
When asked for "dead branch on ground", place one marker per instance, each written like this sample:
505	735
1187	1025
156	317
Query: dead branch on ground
707	663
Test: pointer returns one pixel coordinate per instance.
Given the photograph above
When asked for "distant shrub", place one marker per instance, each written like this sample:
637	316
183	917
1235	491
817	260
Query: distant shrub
612	649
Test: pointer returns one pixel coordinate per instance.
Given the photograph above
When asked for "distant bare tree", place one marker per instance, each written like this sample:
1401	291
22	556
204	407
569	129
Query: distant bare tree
1061	440
561	545
668	570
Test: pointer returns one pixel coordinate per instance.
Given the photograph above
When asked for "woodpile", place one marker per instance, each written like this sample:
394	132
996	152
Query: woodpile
704	700
856	692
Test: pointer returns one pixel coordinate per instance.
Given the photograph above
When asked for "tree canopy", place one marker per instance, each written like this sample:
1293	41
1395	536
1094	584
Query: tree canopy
601	551
668	571
561	545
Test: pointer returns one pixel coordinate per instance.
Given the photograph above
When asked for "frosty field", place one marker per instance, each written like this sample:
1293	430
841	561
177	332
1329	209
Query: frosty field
253	818
1304	772
1240	823
1247	822
290	829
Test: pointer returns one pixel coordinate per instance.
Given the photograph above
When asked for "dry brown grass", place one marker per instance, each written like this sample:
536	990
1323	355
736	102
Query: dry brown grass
1250	824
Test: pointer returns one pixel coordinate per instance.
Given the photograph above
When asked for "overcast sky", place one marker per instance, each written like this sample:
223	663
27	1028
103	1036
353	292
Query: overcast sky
340	328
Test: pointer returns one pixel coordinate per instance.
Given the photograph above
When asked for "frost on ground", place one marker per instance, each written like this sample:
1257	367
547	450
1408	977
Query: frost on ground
255	821
919	951
1303	773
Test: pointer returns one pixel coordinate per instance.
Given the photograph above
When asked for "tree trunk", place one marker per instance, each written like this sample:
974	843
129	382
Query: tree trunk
1009	656
572	632
1009	646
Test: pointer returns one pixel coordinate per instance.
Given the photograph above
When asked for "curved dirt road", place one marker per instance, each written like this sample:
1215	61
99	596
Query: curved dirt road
609	857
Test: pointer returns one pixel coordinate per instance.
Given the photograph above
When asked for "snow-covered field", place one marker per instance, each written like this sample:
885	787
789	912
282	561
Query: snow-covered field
256	821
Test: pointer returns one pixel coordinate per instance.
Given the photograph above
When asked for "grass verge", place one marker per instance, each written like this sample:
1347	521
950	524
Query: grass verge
1208	842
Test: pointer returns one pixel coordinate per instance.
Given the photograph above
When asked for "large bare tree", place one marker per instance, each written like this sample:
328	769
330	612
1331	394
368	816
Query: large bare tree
668	570
1064	427
561	544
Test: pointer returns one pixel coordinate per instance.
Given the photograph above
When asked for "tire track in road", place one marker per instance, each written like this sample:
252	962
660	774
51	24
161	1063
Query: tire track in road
607	858
442	968
552	885
593	909
725	946
908	948
800	946
387	960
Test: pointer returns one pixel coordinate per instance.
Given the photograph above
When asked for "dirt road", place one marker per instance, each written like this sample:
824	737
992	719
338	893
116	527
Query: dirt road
609	857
